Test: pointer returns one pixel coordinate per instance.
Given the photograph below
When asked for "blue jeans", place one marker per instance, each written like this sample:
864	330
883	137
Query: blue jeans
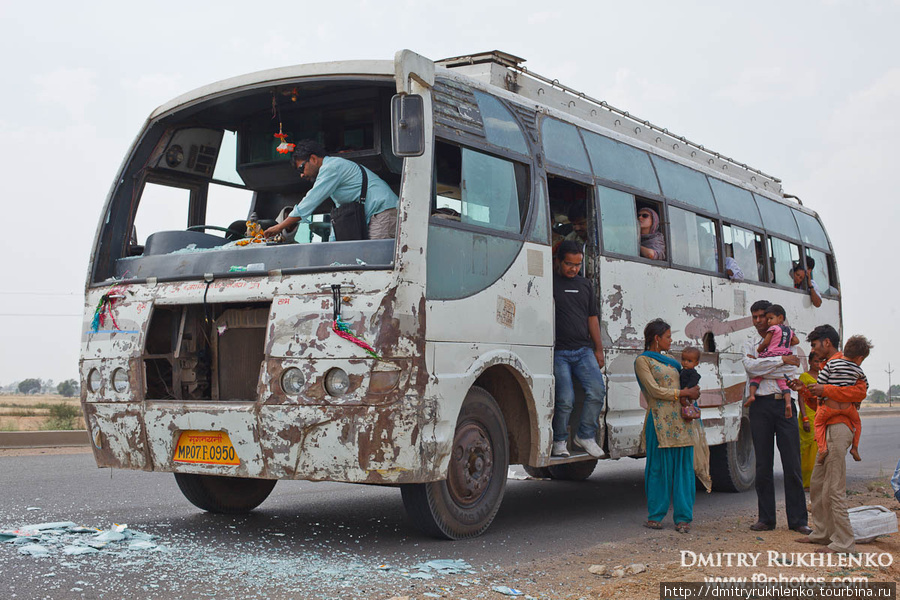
582	365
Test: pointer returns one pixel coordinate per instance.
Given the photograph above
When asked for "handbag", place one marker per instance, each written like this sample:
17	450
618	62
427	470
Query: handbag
690	412
348	221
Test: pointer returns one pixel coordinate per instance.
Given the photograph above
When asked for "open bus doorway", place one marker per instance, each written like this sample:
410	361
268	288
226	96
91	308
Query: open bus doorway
573	218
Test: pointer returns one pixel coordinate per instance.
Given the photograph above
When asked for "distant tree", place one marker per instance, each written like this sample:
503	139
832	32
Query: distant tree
895	391
47	386
877	397
68	388
29	386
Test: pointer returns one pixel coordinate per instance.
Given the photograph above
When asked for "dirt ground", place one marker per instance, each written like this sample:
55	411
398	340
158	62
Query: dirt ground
12	407
661	553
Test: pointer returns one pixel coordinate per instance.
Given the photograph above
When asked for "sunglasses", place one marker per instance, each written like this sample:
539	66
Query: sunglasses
301	166
644	216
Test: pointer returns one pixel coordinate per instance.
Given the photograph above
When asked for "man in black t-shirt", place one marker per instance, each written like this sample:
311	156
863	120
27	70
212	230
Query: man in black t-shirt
578	352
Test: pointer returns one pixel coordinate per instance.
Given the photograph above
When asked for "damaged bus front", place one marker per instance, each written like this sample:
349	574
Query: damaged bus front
235	362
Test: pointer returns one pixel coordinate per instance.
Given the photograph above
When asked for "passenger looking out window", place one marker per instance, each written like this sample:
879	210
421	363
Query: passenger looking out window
802	281
817	266
653	243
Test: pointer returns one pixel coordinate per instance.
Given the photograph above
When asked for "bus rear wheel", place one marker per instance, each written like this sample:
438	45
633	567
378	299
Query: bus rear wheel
227	495
537	472
732	466
465	504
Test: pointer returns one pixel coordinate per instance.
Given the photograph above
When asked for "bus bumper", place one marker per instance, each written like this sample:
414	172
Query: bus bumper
387	444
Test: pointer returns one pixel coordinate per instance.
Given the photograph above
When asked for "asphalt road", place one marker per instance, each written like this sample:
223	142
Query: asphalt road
325	540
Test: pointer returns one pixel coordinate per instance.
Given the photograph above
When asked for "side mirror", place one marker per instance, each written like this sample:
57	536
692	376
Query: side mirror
407	125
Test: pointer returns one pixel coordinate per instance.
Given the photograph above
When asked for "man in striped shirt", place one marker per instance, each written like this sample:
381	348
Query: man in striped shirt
828	485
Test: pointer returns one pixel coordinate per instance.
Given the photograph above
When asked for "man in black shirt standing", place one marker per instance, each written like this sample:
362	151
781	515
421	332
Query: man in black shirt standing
578	352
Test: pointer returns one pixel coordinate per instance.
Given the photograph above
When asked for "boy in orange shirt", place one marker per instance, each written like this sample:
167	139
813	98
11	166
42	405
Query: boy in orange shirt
843	370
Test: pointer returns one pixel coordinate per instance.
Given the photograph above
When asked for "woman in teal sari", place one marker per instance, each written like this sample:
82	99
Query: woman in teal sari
669	472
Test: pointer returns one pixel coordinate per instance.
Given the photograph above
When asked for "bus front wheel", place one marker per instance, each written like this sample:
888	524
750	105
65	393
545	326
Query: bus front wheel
228	495
463	505
732	465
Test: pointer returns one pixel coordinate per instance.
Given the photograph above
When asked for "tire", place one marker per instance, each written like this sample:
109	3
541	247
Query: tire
538	472
227	495
574	471
732	466
465	504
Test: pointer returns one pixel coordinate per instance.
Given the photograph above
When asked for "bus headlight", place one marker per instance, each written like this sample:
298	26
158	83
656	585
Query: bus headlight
336	382
93	381
292	381
120	381
382	382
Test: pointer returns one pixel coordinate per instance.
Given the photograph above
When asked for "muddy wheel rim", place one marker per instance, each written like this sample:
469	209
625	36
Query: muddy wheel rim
471	464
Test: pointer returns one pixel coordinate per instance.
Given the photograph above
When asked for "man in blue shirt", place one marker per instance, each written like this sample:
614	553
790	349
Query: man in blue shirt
340	180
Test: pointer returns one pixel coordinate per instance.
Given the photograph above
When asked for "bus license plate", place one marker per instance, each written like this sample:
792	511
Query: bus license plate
205	447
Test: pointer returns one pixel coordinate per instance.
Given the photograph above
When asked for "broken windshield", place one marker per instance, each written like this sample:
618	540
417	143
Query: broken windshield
203	182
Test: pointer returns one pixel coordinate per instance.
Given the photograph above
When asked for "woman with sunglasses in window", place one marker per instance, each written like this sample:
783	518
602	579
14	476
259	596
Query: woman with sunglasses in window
653	244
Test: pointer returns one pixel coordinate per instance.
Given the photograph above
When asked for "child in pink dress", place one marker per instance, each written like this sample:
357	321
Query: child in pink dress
778	341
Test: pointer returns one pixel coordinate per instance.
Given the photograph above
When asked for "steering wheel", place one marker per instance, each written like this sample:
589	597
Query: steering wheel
235	233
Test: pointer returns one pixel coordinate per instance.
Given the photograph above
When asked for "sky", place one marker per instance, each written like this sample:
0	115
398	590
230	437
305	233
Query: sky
806	91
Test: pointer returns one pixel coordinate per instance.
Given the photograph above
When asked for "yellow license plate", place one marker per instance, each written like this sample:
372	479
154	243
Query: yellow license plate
205	447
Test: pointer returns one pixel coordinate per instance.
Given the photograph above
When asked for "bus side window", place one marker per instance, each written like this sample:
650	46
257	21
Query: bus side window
761	257
694	240
783	257
479	189
448	177
744	247
819	268
618	222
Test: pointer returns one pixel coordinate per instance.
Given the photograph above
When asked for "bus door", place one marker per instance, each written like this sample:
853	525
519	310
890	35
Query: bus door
575	218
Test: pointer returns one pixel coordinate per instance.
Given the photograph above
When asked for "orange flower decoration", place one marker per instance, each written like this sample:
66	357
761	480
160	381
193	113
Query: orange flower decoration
284	147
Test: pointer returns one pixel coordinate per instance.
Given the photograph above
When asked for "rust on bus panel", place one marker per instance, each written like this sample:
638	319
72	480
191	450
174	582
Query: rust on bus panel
385	436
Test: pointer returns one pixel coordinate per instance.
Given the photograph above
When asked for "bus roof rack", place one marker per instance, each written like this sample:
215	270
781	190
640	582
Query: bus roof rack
640	129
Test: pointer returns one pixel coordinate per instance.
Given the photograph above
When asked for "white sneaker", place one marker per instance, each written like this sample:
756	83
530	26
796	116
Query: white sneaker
559	449
590	446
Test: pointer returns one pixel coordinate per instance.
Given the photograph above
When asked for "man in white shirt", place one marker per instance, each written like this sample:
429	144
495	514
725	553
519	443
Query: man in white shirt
732	269
769	426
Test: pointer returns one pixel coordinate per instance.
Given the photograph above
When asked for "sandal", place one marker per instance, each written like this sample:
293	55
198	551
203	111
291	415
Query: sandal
683	527
653	525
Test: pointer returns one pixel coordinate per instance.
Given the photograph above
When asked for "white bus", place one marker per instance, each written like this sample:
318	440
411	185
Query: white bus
218	361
